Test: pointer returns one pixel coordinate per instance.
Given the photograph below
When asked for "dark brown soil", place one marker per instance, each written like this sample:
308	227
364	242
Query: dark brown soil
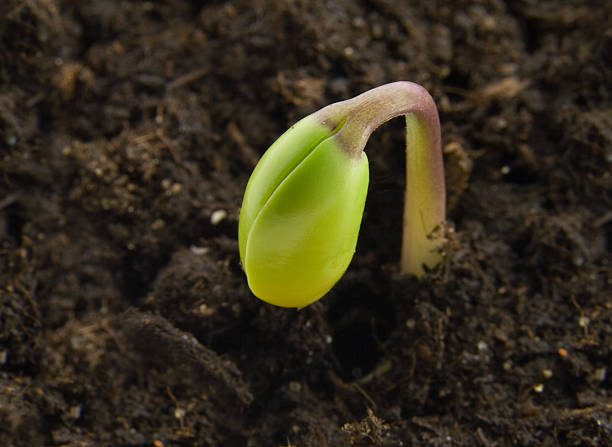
125	319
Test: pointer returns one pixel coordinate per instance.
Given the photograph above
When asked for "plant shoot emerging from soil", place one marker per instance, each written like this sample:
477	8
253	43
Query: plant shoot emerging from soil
304	202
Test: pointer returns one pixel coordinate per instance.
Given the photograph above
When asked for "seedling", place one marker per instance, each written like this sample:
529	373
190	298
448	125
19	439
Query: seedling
304	202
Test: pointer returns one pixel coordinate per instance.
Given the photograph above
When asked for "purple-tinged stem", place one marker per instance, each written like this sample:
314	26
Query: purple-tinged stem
425	195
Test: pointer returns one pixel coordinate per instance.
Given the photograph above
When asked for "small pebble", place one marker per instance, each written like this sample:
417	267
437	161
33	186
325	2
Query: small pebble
158	224
206	310
75	412
217	216
600	374
199	251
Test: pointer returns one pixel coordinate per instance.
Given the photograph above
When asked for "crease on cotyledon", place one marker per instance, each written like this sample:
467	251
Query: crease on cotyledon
273	192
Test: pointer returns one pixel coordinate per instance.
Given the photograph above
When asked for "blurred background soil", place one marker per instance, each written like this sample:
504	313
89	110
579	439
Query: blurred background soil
128	130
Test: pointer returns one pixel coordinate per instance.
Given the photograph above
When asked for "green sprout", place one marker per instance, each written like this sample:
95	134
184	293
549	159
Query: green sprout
304	202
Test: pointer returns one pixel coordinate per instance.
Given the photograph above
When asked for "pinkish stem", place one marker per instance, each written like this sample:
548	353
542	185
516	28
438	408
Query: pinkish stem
425	195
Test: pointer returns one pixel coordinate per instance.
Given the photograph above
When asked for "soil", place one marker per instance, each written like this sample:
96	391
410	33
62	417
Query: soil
128	131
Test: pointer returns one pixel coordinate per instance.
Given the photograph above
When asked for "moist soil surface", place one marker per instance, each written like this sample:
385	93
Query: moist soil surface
128	131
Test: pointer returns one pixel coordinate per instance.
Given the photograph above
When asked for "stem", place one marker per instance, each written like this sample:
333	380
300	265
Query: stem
425	195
